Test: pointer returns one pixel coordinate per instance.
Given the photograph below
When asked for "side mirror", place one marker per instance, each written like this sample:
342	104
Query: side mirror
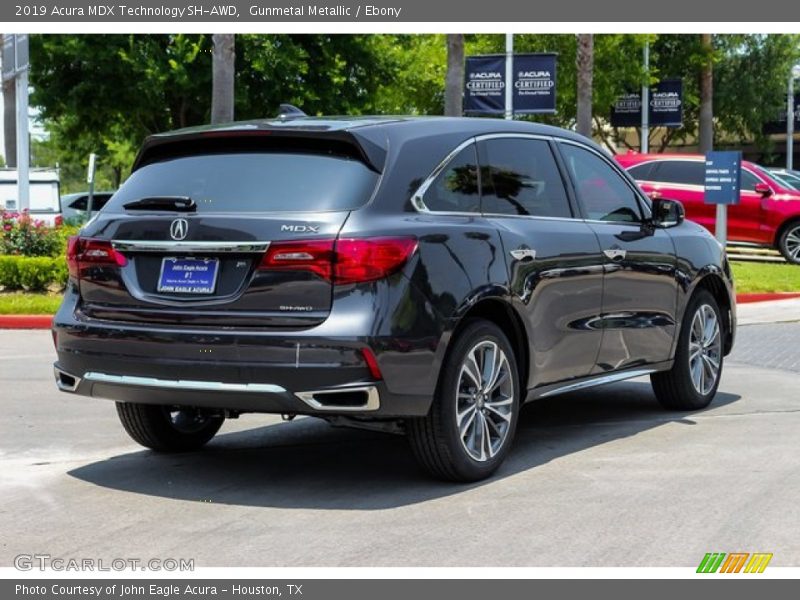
667	213
763	189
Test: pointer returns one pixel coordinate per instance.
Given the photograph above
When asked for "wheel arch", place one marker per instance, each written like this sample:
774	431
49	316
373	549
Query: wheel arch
502	313
715	285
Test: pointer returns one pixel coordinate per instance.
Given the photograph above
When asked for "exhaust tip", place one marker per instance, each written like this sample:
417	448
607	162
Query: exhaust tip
65	381
361	398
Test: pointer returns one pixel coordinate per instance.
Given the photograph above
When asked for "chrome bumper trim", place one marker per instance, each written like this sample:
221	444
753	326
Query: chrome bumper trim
170	246
184	384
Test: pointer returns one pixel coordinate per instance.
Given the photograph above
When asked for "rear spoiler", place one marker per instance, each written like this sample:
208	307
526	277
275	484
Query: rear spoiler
347	143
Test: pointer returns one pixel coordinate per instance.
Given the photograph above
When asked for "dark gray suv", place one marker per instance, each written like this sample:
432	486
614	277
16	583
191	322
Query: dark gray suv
423	275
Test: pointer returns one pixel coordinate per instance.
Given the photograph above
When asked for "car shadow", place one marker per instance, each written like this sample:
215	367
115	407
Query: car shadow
308	464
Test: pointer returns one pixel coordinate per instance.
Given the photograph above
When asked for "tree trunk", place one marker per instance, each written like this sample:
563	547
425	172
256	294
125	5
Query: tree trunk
10	121
454	81
706	125
223	71
585	65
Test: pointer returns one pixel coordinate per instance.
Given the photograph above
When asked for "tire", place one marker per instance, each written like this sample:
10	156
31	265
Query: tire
168	429
789	243
435	438
692	382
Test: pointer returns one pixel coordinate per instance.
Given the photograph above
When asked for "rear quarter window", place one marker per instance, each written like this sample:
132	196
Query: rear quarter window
254	182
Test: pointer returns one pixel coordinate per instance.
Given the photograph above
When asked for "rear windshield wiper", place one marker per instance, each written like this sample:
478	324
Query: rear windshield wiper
174	203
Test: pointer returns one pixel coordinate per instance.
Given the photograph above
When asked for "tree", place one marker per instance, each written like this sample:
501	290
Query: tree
706	122
9	116
321	74
454	81
418	66
750	74
585	68
222	95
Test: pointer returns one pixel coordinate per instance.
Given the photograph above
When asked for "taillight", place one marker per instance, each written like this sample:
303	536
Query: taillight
72	256
351	260
83	252
370	259
313	255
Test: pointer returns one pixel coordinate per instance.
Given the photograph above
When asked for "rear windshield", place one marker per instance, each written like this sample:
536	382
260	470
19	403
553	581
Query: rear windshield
253	182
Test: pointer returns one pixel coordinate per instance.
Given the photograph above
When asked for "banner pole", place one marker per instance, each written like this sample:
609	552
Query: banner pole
509	76
644	146
721	228
23	148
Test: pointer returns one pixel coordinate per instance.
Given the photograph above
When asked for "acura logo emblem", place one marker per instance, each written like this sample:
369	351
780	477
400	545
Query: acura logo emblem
178	229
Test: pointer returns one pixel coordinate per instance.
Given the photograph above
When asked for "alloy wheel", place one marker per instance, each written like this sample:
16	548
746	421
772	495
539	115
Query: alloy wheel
484	401
705	349
792	244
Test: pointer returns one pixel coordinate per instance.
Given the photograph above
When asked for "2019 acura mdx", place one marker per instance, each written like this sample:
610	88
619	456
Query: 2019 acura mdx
423	275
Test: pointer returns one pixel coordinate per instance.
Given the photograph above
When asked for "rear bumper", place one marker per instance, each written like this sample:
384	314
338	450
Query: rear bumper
361	399
316	371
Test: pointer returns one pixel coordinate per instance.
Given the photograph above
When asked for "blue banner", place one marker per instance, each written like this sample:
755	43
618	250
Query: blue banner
534	83
723	179
665	110
485	85
779	125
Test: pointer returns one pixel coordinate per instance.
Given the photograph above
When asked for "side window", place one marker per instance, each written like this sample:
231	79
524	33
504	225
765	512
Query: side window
642	172
686	172
749	181
521	177
605	195
456	188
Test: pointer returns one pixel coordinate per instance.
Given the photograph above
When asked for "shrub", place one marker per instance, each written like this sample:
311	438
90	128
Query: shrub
32	273
22	235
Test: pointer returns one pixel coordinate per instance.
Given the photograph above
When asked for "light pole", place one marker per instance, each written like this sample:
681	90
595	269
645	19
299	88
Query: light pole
509	113
790	108
644	146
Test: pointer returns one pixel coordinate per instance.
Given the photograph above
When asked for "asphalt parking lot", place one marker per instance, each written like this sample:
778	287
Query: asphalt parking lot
598	478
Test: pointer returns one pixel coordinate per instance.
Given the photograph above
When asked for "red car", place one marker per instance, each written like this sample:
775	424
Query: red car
768	212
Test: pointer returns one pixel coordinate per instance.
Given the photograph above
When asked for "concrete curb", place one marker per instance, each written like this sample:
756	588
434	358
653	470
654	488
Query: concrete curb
748	298
26	321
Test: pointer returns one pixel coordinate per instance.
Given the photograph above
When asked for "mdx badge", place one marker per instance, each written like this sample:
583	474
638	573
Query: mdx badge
178	229
301	228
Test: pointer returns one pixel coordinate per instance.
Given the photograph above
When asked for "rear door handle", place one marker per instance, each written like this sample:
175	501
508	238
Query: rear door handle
615	253
523	253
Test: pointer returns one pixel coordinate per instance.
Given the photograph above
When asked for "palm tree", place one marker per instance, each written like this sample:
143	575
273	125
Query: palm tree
223	72
706	126
585	65
454	80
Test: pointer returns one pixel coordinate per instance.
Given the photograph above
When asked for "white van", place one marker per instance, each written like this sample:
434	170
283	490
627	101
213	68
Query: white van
45	198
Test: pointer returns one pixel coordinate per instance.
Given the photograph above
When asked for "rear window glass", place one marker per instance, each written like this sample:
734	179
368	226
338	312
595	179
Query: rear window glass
253	182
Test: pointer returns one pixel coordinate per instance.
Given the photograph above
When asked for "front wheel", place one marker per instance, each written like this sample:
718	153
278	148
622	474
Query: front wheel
470	427
694	378
167	428
789	243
